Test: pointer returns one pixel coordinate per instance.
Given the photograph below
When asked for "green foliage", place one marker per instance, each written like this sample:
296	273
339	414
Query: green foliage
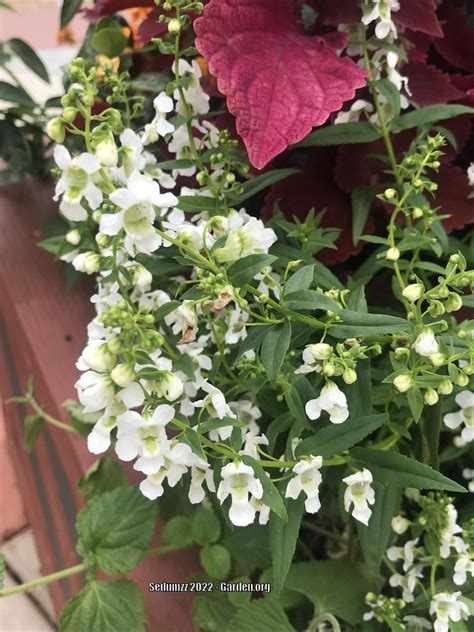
205	526
33	426
103	476
260	615
283	537
274	348
215	560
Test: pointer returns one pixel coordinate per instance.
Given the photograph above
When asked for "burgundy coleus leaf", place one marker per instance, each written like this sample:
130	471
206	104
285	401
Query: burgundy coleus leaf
457	45
419	15
453	197
314	187
109	7
429	85
279	83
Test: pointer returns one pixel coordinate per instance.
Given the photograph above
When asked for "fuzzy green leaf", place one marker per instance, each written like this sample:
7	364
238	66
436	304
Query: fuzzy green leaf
283	537
244	270
205	527
103	476
260	615
271	496
215	560
274	348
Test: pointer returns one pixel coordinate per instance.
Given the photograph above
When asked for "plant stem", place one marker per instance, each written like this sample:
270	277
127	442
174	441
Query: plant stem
48	418
46	579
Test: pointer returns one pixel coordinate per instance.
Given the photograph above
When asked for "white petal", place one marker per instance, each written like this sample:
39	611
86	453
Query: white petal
73	211
123	198
132	396
61	156
313	409
88	162
111	224
151	490
453	420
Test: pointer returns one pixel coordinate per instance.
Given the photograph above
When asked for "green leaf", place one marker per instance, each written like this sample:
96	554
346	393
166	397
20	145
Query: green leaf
109	40
212	611
374	538
341	134
103	476
13	94
156	82
274	348
248	545
105	606
116	528
28	56
254	339
283	537
177	531
335	438
335	586
205	528
310	300
33	426
357	324
428	115
255	185
244	270
391	94
362	197
325	278
2	571
397	470
296	399
196	203
431	429
68	11
191	437
300	280
271	496
415	402
166	309
260	615
80	420
215	560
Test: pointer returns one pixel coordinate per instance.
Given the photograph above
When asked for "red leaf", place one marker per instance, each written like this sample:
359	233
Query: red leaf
109	7
429	85
419	15
457	45
338	12
315	187
278	82
452	197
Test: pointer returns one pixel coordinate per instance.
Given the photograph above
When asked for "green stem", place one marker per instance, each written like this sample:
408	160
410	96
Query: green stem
48	418
67	572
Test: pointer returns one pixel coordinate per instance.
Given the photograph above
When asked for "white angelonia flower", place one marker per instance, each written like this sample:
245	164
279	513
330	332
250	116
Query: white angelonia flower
262	510
176	227
416	624
179	145
247	412
400	524
354	113
307	479
200	472
236	319
407	582
94	390
464	416
131	153
251	441
98	440
426	343
252	238
159	126
137	203
194	94
381	12
447	607
405	553
175	463
470	174
268	282
360	493
310	361
464	565
449	537
76	183
88	262
332	400
216	406
144	436
96	356
238	481
468	475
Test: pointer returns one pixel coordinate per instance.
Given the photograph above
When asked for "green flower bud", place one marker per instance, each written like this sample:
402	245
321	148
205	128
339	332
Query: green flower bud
413	292
403	382
349	376
69	114
56	129
462	380
453	302
401	353
321	351
437	359
431	397
390	194
73	237
436	309
102	240
123	375
329	369
114	345
445	387
174	26
392	254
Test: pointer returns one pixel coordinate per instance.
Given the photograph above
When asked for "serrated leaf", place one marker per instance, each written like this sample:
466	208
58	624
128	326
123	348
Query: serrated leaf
271	496
274	348
29	57
116	527
283	537
33	425
103	476
215	560
177	531
105	606
205	526
260	615
244	270
212	611
374	538
397	470
333	439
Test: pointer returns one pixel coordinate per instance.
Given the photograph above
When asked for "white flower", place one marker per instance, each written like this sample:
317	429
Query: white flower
405	553
413	292
251	238
360	493
96	356
200	472
251	440
137	203
468	475
465	416
131	154
239	481
447	607
76	182
159	126
463	566
98	440
193	93
354	113
332	400
416	624
449	537
426	343
216	406
262	510
94	391
176	462
407	582
470	174
307	479
400	524
381	12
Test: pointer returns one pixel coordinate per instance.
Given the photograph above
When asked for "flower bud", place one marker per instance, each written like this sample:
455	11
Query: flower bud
174	26
392	254
462	380
99	358
401	353
453	302
96	215
417	213
56	129
413	292
329	369
426	344
400	524
349	376
73	237
390	193
123	375
445	387
321	351
114	345
88	262
436	309
142	277
106	152
69	114
403	382
171	387
102	240
443	292
437	359
431	397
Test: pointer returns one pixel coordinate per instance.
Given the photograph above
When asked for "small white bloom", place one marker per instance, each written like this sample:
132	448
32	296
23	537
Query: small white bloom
426	343
413	292
249	239
468	475
470	174
463	566
307	479
360	493
405	553
407	582
176	462
416	624
381	13
159	126
447	607
200	472
238	481
400	524
262	510
194	94
449	535
464	416
216	406
332	400
354	113
94	391
251	441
